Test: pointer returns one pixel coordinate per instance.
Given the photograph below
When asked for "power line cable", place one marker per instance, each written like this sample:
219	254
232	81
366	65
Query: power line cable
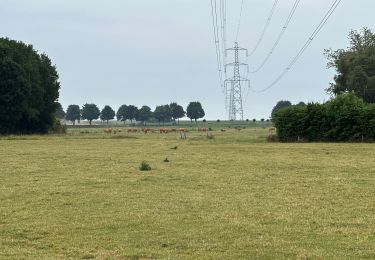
260	40
217	41
334	6
269	19
239	21
279	37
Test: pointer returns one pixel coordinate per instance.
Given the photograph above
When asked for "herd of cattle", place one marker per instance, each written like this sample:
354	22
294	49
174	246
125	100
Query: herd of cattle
182	131
151	130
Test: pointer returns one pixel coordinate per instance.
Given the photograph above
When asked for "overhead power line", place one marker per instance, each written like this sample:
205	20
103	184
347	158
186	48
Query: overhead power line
279	37
269	19
217	39
334	6
239	20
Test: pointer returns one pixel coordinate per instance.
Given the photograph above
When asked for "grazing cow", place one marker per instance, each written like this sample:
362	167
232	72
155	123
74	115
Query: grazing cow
163	130
223	130
183	132
147	130
108	131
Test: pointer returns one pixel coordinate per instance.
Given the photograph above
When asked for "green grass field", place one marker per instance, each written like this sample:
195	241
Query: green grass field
82	196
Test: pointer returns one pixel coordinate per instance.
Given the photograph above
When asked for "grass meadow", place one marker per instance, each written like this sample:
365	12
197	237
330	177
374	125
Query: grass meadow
234	196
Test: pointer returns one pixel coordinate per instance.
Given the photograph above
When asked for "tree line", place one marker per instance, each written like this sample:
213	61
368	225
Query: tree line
163	113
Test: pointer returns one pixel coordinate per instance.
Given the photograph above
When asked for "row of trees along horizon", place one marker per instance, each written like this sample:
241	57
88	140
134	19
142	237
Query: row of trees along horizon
30	88
164	113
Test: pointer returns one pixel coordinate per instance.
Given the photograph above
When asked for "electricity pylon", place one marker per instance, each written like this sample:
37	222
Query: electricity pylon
233	86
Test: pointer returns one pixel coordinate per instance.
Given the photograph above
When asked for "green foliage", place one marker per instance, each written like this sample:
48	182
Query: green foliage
145	166
195	111
73	113
177	111
144	114
355	66
60	113
131	112
90	112
280	105
58	128
107	114
121	114
29	89
163	113
345	118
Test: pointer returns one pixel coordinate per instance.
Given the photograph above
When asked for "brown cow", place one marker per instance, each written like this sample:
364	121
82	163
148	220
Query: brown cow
108	131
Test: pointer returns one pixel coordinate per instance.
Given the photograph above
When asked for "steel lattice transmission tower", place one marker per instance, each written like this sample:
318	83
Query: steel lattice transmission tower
233	86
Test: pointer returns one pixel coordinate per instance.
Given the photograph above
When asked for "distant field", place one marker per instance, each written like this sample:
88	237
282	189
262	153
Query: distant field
82	196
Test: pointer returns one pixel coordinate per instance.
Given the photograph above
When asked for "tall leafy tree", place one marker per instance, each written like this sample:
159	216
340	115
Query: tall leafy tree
121	114
107	114
177	111
163	113
14	93
73	113
29	89
90	112
195	111
280	105
144	114
60	113
131	112
355	66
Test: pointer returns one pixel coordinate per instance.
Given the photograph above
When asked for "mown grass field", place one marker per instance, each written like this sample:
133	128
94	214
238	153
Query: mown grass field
82	196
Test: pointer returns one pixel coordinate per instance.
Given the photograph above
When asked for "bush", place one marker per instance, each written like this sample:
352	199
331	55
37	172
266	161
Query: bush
345	118
272	138
145	166
58	128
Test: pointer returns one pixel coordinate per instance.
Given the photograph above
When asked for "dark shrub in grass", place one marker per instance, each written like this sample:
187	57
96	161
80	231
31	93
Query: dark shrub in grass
145	166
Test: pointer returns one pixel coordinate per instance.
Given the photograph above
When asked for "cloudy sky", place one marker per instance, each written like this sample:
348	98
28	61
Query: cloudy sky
160	51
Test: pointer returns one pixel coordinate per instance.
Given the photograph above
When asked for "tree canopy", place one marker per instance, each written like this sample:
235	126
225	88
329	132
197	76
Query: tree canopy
177	111
131	112
90	112
121	113
144	114
280	105
195	111
355	66
163	113
107	114
73	113
29	89
60	113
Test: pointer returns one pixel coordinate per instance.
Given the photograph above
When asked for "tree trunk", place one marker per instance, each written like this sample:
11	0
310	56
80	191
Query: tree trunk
90	121
107	122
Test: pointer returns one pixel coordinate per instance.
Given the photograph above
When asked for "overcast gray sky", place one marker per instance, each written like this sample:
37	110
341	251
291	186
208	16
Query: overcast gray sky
160	51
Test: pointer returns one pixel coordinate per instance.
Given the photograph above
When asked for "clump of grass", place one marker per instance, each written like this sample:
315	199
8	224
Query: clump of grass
145	166
166	160
210	136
